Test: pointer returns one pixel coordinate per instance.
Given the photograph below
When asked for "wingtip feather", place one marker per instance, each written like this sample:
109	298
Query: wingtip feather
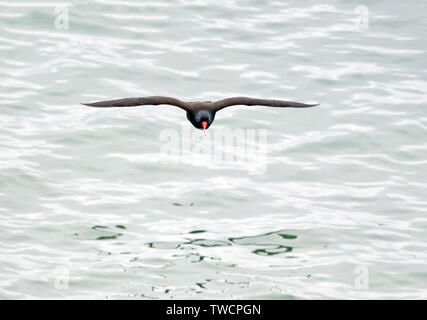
88	104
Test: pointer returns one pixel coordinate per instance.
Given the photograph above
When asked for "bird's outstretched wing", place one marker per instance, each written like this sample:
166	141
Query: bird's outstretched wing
221	104
133	102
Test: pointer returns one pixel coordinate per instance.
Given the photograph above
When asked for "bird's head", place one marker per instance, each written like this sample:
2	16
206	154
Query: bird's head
203	119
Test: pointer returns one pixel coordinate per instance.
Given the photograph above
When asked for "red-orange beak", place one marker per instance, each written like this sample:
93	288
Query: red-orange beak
204	125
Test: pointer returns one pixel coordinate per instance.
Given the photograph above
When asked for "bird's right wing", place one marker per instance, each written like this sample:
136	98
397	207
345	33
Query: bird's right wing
133	102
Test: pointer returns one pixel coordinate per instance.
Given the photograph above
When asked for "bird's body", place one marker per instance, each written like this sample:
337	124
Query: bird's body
200	114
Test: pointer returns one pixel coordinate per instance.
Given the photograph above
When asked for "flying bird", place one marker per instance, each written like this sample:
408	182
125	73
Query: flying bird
200	114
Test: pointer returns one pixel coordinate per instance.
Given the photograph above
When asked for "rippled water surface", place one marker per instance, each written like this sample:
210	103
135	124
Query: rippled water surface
91	208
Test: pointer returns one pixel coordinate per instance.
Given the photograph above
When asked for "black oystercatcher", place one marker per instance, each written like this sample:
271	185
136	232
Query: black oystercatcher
200	114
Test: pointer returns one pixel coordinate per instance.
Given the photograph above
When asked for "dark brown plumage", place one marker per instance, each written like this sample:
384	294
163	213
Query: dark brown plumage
200	114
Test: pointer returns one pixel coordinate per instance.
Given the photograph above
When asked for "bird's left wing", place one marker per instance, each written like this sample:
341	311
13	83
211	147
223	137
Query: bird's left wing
133	102
221	104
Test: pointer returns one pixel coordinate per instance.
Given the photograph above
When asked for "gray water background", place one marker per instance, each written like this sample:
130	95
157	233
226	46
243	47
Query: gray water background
90	207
